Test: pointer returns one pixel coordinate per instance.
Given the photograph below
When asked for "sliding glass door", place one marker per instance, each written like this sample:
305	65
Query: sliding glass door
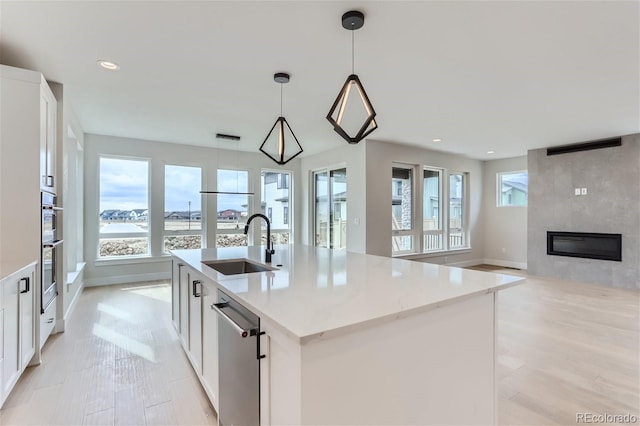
330	209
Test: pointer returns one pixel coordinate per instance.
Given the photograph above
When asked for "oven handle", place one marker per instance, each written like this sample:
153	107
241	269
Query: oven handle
50	207
53	244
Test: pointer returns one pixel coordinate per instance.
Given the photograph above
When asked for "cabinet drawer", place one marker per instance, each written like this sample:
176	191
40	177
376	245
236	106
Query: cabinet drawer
47	322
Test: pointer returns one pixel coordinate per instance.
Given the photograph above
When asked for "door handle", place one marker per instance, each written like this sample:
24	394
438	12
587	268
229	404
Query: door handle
194	283
27	286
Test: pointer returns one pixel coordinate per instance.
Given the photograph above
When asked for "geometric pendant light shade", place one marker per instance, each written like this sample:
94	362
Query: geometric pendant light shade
281	144
352	114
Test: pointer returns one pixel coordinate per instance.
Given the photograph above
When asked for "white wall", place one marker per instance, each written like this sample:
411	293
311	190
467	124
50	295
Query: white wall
505	228
352	157
158	266
379	159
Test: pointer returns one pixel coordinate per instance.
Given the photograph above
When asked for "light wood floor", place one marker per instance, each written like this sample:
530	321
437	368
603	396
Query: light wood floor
119	362
564	348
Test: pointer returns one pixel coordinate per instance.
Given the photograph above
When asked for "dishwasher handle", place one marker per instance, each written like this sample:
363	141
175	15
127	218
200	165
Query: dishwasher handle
218	308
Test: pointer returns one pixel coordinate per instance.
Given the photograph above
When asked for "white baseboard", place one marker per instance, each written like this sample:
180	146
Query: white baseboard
74	278
123	279
465	263
506	263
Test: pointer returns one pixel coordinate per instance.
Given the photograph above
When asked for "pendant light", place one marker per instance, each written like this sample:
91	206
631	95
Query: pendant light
275	144
351	129
237	191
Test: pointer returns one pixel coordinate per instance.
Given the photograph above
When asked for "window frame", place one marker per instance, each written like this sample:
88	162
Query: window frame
418	233
281	183
499	189
197	232
464	216
232	231
440	231
124	235
415	231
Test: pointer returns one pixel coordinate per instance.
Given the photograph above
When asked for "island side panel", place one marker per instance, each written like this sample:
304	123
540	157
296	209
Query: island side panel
280	386
436	367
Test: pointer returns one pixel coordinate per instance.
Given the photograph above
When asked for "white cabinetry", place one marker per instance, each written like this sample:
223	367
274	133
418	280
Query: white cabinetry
196	325
21	128
195	321
210	343
48	113
18	325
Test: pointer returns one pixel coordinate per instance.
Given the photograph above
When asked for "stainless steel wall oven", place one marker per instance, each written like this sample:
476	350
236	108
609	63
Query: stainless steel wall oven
50	243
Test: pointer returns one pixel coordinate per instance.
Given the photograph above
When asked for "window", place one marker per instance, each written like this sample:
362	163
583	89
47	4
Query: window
330	208
402	209
124	207
512	189
182	208
431	199
233	209
276	199
443	224
457	234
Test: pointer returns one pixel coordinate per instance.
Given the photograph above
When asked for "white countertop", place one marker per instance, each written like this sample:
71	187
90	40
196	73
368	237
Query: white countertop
318	291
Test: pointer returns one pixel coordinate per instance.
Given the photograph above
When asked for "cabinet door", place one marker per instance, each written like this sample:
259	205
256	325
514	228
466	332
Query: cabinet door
195	322
176	267
210	344
183	277
27	320
52	126
11	367
44	114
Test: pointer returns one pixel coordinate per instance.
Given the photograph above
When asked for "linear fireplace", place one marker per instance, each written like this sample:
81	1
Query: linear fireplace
587	245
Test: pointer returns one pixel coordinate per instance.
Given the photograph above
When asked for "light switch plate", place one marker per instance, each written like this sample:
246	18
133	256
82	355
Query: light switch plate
584	191
577	191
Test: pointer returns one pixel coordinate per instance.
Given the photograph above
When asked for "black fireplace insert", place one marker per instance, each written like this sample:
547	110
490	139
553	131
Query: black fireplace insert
587	245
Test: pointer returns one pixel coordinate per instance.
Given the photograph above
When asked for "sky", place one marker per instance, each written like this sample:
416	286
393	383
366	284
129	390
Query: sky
124	185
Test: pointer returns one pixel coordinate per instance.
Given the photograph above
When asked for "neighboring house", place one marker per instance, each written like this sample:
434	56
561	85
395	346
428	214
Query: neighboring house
177	215
229	215
196	215
139	214
108	214
122	215
514	193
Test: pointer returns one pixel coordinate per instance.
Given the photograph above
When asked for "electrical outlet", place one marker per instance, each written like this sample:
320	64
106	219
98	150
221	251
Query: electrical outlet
583	191
577	191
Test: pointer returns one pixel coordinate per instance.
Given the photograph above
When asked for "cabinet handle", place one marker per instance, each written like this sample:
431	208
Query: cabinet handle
194	284
27	286
50	320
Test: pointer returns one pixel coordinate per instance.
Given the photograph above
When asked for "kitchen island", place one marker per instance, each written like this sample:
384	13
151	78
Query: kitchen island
350	338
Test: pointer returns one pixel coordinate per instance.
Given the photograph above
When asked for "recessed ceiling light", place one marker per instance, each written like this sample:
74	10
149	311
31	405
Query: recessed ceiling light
108	65
491	152
437	140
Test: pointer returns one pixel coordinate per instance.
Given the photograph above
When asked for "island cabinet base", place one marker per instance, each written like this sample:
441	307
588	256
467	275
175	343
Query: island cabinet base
434	367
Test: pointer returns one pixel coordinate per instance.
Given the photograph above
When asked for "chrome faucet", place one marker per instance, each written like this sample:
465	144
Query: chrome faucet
269	251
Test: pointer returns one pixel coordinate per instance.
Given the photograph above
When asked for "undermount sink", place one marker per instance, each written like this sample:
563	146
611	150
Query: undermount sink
237	266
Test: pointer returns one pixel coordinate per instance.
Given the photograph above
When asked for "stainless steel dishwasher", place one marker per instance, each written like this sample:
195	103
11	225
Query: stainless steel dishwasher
238	363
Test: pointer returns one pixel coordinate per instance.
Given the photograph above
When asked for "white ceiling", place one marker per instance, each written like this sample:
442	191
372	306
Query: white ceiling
505	76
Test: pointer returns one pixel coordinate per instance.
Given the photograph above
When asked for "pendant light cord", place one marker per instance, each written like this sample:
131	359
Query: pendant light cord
280	99
352	52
